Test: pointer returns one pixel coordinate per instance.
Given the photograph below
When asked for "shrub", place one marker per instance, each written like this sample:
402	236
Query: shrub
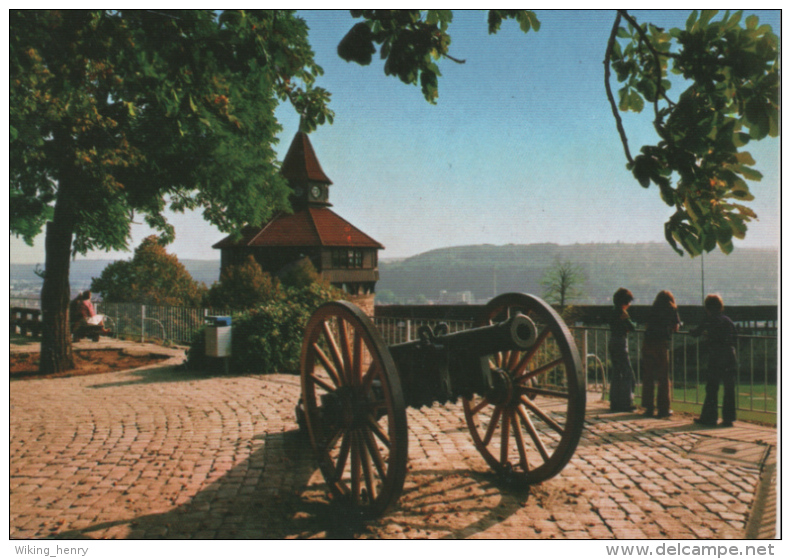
268	338
243	287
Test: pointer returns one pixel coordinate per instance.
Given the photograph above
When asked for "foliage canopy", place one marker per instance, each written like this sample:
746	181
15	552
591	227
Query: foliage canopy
114	113
151	277
728	70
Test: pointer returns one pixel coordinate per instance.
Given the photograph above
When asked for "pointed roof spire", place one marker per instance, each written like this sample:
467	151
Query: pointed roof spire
301	162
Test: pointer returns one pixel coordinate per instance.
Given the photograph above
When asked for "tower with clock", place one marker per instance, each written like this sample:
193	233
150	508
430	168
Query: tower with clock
340	252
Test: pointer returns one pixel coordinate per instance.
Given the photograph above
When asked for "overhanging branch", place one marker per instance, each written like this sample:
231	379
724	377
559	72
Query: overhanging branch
610	97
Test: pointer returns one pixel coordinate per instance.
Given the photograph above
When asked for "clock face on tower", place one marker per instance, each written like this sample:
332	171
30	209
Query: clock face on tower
315	193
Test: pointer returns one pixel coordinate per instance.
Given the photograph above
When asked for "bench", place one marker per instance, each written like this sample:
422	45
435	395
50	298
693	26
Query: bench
27	320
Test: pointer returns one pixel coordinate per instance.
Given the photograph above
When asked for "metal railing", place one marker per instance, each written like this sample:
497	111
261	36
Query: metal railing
175	325
757	358
756	371
399	330
171	324
757	355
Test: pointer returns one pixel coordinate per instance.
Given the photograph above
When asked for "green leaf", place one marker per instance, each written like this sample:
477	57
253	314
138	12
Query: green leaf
357	45
745	158
636	102
749	173
693	17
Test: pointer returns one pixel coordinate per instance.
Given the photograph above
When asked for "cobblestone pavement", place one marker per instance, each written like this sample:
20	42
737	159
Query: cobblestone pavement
167	453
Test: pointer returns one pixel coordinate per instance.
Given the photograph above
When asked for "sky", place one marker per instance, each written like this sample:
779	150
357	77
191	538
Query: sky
521	146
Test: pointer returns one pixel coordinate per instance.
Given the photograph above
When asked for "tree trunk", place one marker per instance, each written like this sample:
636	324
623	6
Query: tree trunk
56	354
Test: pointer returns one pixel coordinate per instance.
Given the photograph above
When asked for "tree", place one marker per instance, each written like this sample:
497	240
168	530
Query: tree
243	287
563	282
730	72
151	277
118	112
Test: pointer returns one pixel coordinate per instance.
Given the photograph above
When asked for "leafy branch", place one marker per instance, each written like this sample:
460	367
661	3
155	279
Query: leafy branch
732	98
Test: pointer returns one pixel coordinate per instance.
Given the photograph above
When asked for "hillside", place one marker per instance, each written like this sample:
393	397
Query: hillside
23	278
749	276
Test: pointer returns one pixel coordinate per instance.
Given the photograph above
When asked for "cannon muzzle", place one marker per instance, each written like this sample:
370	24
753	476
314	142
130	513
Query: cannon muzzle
440	367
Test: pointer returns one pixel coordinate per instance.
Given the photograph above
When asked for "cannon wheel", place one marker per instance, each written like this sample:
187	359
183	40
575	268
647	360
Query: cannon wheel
354	409
528	427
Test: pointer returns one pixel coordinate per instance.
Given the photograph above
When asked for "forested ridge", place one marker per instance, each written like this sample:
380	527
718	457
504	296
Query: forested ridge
748	276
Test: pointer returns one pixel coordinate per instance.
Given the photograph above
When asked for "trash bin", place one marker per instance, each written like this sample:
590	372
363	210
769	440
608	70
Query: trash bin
218	336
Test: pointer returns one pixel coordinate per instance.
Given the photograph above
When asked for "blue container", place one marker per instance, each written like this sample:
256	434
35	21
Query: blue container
218	320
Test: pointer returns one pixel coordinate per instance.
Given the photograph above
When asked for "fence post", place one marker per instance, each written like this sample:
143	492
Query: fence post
585	357
142	323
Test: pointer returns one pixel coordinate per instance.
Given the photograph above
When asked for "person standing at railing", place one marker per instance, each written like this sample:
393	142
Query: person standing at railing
721	340
663	321
622	376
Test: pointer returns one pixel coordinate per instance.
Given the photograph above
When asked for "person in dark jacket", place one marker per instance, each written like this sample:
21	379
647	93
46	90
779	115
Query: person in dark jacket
622	376
721	340
663	321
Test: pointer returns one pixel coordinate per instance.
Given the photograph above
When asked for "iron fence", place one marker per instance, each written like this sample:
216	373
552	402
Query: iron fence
757	354
757	357
170	324
756	371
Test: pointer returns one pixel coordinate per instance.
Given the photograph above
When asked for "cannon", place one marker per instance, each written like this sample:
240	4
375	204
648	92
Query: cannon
517	373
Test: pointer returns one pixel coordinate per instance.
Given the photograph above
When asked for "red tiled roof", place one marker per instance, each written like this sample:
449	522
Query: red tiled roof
301	162
309	227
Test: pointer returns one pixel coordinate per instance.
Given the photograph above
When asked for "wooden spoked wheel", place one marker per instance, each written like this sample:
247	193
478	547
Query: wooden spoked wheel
528	427
354	408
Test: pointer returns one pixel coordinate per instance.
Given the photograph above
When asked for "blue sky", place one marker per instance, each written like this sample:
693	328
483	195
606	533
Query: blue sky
520	148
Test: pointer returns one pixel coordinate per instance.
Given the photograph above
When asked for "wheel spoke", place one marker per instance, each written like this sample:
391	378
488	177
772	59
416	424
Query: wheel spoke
542	369
336	355
328	441
492	426
355	468
367	473
540	413
482	404
531	430
340	465
504	438
368	377
513	359
542	337
544	392
520	443
345	350
376	455
357	359
376	429
322	383
325	361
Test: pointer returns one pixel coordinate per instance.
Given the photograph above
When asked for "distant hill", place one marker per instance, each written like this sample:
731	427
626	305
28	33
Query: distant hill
748	276
23	277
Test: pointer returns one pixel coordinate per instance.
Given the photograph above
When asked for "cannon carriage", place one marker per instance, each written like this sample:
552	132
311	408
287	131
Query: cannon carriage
517	373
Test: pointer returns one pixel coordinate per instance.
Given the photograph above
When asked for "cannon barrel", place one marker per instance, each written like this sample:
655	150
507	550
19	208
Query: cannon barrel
441	367
516	333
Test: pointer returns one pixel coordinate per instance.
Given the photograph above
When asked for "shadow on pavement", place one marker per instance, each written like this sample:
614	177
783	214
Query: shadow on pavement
277	493
166	374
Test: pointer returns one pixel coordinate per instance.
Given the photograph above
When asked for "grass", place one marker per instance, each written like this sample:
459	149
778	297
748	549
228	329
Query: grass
764	401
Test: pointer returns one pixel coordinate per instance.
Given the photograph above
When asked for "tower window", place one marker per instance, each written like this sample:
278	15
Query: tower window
347	258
